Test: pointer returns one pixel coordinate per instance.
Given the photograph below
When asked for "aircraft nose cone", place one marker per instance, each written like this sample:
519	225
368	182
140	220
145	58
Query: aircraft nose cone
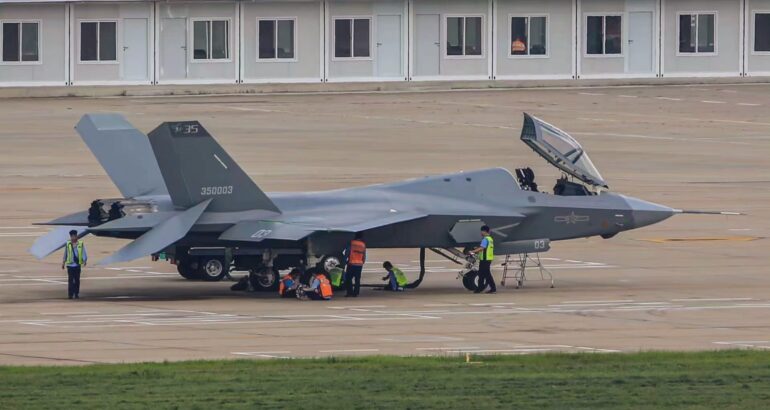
645	213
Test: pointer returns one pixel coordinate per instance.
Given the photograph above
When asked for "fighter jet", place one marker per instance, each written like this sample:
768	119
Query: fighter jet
186	200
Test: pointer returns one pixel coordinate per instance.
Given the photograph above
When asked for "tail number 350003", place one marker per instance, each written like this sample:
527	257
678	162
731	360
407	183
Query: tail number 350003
216	190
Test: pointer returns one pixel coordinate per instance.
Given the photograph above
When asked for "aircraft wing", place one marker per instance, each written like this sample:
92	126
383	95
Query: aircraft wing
257	231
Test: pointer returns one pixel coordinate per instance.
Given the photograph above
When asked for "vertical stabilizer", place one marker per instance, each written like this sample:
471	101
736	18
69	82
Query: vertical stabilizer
195	168
124	152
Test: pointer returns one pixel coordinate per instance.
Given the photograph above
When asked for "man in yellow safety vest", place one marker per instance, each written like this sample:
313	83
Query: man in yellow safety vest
75	258
397	281
486	252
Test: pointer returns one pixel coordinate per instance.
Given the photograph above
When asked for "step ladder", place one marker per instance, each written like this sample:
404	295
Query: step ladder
516	269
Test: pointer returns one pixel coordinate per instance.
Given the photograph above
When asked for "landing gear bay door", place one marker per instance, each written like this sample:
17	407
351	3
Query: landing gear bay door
561	150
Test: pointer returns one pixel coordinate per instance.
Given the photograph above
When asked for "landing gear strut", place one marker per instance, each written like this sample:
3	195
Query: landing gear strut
469	274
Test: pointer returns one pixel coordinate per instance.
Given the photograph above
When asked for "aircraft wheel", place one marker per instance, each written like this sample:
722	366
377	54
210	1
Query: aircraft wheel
264	279
330	262
212	268
188	270
471	280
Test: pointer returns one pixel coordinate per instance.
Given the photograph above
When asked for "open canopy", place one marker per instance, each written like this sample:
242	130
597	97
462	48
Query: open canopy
561	150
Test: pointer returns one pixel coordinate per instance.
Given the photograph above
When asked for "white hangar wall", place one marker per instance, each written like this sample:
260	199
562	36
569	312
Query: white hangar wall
702	38
44	62
281	42
545	30
93	42
112	43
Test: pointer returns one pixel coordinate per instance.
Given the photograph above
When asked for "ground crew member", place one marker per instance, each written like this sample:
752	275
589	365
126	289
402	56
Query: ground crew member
320	288
518	46
486	252
289	284
396	279
356	254
75	258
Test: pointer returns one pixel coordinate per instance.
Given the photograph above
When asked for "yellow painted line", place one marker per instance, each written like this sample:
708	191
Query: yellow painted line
703	239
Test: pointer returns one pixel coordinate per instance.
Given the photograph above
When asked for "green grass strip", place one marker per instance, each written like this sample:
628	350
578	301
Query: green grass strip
655	380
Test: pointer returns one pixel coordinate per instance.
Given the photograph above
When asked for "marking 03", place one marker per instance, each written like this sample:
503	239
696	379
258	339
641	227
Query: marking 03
216	190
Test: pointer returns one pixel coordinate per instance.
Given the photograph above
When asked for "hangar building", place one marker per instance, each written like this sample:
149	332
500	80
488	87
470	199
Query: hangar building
105	42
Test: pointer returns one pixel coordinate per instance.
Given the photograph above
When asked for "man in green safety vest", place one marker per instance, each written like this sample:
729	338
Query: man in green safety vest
75	258
486	252
397	281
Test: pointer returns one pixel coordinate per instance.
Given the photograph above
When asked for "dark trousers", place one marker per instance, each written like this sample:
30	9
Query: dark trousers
353	280
290	293
485	277
314	296
73	281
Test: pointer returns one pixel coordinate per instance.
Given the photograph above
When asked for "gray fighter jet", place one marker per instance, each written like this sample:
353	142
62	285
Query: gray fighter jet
186	200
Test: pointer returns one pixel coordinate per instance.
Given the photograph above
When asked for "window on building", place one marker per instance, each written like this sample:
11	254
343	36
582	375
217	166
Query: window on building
603	35
528	36
762	32
696	33
211	39
352	37
21	42
98	41
276	39
463	36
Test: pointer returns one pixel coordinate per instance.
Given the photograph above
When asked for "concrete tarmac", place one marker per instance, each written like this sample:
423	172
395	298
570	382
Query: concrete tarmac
693	282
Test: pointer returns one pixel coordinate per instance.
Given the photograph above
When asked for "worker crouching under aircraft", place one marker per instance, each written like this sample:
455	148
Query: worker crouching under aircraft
396	279
289	284
319	289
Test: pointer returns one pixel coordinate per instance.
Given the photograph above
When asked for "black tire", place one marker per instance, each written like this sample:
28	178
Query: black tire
212	268
471	280
188	270
264	280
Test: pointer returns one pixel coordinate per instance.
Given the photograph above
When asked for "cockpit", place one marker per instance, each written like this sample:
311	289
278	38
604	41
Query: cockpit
579	175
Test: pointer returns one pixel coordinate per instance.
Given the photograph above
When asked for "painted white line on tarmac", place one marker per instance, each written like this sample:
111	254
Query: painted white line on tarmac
627	96
597	119
618	304
442	304
594	349
584	93
710	299
348	350
712	102
521	351
268	355
669	98
356	307
749	104
68	313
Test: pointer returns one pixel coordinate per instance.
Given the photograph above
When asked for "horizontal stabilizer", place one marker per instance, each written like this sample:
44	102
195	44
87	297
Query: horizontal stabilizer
77	218
54	240
160	236
258	231
124	152
195	167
